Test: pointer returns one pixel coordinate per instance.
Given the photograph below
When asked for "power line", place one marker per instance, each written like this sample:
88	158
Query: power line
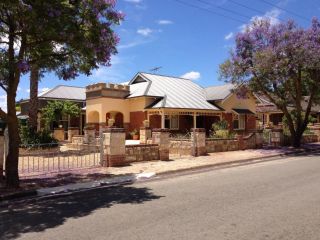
210	11
253	9
225	9
288	11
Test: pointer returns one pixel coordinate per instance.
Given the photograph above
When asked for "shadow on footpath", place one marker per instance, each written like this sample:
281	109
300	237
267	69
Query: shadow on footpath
43	214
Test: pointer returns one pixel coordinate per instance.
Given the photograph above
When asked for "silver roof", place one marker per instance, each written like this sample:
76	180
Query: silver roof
219	92
65	92
175	92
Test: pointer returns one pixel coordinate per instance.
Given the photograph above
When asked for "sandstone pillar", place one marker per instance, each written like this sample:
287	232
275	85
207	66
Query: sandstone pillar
145	134
276	137
198	137
114	153
58	133
89	134
161	137
72	131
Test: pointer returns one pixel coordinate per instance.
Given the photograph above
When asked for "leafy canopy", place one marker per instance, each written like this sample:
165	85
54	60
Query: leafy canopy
281	62
56	109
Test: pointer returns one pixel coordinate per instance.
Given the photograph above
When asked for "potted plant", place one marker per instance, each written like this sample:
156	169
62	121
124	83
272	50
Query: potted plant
110	122
134	134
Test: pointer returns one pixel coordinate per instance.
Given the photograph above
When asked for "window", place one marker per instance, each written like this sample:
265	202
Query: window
239	121
171	122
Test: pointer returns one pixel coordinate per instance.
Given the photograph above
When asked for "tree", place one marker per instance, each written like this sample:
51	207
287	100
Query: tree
68	37
281	62
56	109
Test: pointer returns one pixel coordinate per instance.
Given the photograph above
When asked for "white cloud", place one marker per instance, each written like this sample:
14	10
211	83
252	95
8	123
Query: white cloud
191	75
164	22
145	31
272	15
133	1
228	36
133	44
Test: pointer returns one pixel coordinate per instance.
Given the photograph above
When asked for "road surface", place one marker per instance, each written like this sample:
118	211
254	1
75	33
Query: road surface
271	200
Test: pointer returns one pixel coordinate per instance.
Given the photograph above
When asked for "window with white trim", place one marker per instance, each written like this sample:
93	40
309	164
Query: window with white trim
172	122
239	121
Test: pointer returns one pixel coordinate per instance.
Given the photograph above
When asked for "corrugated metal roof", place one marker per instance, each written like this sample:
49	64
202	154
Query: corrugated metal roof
219	92
176	92
65	92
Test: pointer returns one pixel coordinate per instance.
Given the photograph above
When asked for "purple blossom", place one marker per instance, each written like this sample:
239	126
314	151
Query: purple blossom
23	66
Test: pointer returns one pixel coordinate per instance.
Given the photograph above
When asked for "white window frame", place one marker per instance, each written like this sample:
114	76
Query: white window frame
172	118
241	118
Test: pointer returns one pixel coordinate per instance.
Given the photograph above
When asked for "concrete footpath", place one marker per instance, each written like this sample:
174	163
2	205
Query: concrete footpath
145	170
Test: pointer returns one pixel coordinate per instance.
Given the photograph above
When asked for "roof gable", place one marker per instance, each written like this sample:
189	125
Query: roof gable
221	92
174	92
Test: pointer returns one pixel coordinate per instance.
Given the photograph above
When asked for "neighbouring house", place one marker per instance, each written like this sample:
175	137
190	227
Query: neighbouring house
59	93
269	114
168	102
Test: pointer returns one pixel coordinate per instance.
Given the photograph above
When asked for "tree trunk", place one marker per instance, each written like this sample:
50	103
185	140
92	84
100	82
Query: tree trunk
12	177
297	137
34	102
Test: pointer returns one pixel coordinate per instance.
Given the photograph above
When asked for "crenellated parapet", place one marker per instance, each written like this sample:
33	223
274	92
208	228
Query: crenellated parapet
110	90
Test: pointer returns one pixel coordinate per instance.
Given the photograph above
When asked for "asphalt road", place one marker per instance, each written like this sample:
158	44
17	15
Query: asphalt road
270	200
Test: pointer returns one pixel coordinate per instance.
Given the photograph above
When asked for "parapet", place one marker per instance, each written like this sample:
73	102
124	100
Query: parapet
107	90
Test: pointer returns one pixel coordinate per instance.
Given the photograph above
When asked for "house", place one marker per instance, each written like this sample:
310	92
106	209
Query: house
270	115
59	93
168	102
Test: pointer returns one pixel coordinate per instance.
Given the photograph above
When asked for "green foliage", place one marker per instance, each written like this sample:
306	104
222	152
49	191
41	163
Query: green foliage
221	130
134	132
56	109
221	134
29	137
221	125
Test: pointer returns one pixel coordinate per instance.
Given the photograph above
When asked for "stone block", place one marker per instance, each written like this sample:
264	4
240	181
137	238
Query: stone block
58	133
145	135
72	131
161	137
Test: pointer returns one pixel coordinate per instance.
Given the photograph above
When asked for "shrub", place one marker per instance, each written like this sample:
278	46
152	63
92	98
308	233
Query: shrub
221	125
29	137
221	130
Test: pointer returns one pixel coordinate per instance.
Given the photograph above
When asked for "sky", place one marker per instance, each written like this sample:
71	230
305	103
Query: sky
186	38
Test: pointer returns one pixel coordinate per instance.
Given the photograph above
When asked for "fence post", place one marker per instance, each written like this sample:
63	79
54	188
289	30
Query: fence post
72	131
114	140
160	136
145	134
198	137
89	135
276	137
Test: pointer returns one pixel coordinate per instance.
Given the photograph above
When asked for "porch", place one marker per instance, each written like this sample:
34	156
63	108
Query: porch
182	121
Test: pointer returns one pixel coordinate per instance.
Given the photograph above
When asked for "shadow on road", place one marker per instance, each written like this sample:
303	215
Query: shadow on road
40	215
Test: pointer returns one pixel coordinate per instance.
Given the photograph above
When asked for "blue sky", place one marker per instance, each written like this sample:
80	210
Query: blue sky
183	40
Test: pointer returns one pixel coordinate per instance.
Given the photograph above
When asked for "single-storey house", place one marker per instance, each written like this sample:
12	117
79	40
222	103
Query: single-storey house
59	93
270	115
168	102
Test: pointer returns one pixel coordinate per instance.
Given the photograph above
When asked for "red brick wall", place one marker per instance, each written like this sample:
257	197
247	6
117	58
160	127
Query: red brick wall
136	120
228	118
250	122
155	121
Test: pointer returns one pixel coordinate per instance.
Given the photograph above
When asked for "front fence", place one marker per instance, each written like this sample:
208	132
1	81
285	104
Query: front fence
40	159
181	145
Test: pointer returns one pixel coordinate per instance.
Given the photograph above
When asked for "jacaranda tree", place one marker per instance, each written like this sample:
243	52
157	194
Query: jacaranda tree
281	62
65	36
